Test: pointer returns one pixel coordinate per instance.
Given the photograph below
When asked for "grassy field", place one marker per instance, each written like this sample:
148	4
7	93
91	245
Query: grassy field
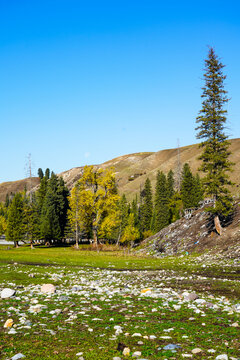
97	309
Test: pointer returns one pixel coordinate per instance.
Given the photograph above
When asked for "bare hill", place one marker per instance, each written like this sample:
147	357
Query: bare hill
133	169
16	186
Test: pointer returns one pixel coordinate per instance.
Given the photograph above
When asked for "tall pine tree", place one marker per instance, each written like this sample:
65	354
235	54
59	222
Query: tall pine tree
146	207
161	202
211	124
15	227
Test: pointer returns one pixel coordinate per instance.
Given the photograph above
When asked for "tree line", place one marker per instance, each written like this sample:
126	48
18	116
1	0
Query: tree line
94	208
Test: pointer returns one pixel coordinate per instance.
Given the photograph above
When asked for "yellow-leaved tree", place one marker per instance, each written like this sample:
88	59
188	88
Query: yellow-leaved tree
130	233
3	225
94	203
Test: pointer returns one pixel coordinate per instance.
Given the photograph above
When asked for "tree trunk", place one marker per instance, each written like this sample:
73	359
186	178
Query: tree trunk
16	244
95	238
217	224
76	245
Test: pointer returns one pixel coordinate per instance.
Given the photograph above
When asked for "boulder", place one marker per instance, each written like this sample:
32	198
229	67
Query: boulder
48	289
7	293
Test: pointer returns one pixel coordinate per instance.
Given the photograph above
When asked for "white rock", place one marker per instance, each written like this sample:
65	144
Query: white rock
126	351
137	353
48	289
222	357
18	356
7	293
196	351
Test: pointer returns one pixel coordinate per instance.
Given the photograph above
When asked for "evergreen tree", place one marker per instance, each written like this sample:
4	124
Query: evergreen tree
15	228
147	207
211	124
175	207
40	173
134	210
123	214
54	210
170	184
31	219
47	173
188	188
161	202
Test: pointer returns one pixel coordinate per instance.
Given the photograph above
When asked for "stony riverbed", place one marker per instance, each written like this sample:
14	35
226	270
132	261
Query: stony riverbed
78	313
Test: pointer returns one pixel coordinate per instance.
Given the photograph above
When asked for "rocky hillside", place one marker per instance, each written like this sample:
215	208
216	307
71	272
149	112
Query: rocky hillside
196	235
132	170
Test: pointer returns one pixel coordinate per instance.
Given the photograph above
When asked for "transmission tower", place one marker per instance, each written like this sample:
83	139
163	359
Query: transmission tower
29	175
178	168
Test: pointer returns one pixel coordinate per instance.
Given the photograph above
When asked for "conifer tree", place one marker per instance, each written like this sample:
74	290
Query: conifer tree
211	124
123	215
161	202
134	210
170	184
147	207
40	173
188	188
15	228
31	219
54	210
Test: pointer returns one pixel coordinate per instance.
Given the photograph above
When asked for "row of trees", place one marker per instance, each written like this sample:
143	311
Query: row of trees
39	215
95	209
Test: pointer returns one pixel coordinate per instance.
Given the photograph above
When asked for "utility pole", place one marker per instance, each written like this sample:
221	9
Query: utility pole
178	168
29	174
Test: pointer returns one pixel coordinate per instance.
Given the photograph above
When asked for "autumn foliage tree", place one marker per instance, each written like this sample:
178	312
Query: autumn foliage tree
95	201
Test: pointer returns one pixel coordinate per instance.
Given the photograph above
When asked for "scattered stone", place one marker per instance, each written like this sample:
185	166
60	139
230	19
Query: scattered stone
222	357
18	356
126	351
151	337
117	358
191	297
196	351
144	291
171	347
8	323
137	353
136	334
48	289
7	293
235	324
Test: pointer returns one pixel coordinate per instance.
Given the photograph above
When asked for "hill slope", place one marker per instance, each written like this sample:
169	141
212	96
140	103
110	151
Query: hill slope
133	169
196	235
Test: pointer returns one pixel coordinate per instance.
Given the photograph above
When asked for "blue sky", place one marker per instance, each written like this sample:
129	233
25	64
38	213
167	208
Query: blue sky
85	81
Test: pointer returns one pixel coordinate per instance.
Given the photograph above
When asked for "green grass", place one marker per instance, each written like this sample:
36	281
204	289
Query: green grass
132	312
66	267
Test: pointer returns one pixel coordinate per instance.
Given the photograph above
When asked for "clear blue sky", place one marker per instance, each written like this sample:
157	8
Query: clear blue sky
82	82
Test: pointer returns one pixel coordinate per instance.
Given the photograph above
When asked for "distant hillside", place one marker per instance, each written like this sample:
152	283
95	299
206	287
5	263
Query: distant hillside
16	186
133	169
